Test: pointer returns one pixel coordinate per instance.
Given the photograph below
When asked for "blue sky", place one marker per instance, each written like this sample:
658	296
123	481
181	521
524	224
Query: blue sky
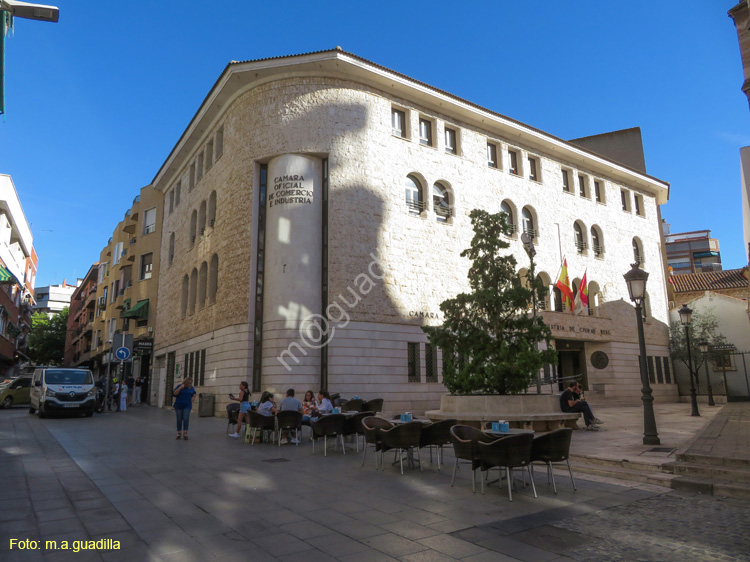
96	102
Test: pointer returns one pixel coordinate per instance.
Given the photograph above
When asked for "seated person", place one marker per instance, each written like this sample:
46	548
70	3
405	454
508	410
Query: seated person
267	406
569	403
290	403
323	405
308	405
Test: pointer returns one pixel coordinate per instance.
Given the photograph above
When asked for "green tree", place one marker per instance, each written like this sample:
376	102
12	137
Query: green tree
703	326
490	339
47	337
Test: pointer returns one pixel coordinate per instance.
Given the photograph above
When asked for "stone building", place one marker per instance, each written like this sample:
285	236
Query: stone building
315	210
81	316
126	286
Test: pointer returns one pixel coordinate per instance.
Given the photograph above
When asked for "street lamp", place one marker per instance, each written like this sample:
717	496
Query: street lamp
636	279
528	246
685	315
704	347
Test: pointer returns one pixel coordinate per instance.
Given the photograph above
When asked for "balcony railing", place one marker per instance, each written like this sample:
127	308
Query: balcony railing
415	207
581	247
598	250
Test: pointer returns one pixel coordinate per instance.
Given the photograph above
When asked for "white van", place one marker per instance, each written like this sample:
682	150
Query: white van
54	389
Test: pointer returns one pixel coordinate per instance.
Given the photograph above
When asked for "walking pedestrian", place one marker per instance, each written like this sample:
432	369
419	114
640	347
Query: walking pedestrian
137	392
185	394
123	396
244	400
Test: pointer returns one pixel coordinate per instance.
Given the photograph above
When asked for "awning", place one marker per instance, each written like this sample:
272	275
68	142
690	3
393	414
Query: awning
6	276
140	310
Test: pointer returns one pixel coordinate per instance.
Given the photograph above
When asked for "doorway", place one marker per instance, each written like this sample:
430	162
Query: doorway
571	363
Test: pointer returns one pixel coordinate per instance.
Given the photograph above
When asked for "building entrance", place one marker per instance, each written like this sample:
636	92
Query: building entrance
571	363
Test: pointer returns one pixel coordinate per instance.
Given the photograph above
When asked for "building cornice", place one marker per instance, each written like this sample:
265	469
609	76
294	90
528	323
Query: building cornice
239	77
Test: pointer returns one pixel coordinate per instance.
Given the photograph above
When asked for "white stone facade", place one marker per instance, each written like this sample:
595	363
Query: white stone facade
388	269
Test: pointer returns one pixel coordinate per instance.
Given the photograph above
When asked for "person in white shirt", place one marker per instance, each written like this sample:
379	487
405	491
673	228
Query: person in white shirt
267	406
323	405
123	396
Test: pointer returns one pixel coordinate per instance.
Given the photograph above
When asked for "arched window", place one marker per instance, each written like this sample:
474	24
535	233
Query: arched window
597	243
580	237
637	251
594	298
510	217
202	219
544	304
193	226
414	199
213	279
558	300
441	202
212	209
185	288
529	225
193	291
202	281
171	248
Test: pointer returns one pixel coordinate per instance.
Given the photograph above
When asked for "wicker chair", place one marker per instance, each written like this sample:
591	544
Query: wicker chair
232	416
289	420
436	435
465	440
354	405
373	405
552	447
331	425
403	437
259	421
353	425
513	451
371	426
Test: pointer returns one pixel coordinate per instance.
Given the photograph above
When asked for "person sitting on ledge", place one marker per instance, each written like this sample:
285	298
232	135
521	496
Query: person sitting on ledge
570	403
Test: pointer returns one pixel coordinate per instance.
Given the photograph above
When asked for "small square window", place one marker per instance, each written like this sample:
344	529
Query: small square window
513	162
534	169
582	186
491	155
147	264
398	122
425	131
566	181
598	191
451	141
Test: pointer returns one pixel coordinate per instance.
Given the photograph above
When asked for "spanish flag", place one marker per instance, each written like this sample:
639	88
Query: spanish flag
563	283
582	297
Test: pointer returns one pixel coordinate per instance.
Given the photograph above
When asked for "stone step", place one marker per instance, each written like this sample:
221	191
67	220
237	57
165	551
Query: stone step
711	472
624	463
737	490
621	473
720	461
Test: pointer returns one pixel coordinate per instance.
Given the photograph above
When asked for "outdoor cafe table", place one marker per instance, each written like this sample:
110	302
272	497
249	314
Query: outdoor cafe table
409	452
511	431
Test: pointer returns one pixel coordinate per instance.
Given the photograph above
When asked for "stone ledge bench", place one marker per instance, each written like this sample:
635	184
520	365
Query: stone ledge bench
538	412
535	422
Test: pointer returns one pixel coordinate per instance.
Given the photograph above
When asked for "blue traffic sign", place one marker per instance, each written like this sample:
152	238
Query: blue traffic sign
122	353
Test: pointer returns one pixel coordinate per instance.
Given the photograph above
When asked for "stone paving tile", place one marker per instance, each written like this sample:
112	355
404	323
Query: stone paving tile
357	529
52	514
367	556
517	549
451	546
375	517
104	526
489	556
305	529
50	528
410	530
393	545
428	556
309	556
337	545
282	544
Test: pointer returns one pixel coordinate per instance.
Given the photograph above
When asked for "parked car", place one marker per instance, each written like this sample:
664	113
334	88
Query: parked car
54	389
15	392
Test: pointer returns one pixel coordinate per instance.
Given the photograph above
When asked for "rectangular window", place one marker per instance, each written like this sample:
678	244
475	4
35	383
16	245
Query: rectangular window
430	363
202	374
118	253
149	220
598	191
582	186
147	264
412	361
533	173
398	122
177	194
638	200
450	141
491	155
625	199
512	162
199	171
667	373
171	202
209	155
566	181
191	183
425	132
651	375
219	143
659	373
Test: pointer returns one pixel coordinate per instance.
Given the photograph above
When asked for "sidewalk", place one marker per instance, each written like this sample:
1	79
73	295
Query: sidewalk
727	436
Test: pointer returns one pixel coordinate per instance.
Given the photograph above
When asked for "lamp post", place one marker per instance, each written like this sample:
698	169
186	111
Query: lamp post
705	348
528	245
685	315
636	279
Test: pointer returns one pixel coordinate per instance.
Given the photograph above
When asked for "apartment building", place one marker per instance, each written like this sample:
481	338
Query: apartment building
81	316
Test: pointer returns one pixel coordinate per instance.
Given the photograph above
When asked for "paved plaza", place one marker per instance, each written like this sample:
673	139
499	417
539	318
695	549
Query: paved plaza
123	476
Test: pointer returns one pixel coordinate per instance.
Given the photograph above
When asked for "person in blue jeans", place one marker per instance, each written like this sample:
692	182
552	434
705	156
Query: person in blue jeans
185	394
